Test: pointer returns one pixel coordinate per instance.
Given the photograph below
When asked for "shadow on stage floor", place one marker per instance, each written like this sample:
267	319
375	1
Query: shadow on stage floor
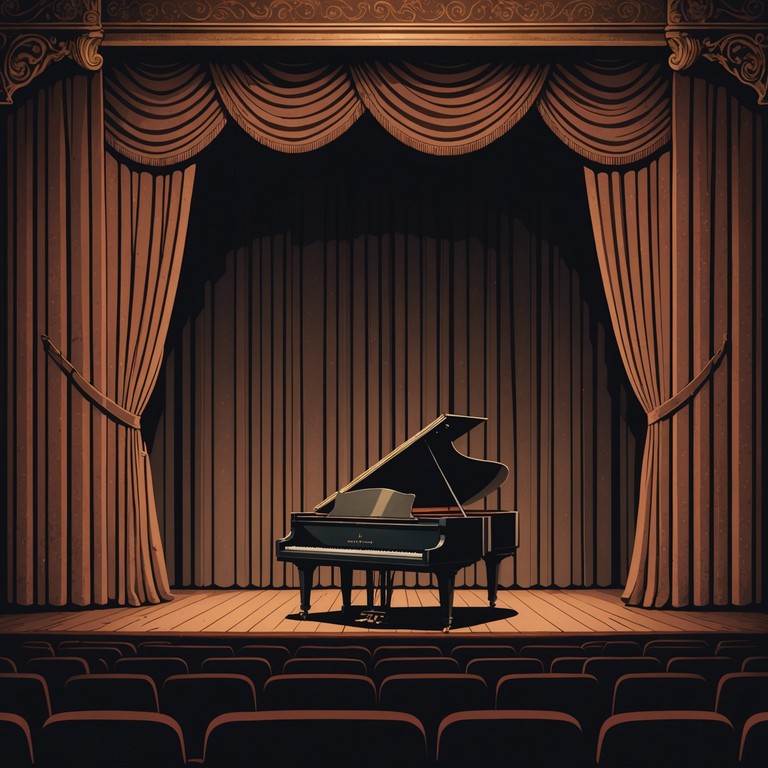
422	619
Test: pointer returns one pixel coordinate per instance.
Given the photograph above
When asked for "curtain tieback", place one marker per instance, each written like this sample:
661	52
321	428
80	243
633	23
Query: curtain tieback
91	393
689	390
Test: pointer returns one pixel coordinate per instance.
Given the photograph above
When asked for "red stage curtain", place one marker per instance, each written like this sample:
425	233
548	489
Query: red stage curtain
447	108
609	112
288	107
160	114
679	248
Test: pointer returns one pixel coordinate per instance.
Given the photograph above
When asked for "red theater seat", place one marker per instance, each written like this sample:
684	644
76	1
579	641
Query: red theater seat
466	653
57	670
491	738
710	667
276	655
330	651
194	655
492	670
414	665
547	653
320	739
319	691
257	670
110	691
667	739
330	666
158	668
754	742
7	665
741	695
194	700
650	691
15	741
111	739
388	651
26	695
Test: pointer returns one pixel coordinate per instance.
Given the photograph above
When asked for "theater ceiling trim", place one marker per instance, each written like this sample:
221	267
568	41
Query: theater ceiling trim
36	33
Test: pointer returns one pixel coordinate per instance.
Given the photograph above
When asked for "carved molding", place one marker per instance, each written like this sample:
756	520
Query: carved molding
35	33
383	11
732	33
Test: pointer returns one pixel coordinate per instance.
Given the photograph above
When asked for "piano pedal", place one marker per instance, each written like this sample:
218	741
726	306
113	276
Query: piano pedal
371	617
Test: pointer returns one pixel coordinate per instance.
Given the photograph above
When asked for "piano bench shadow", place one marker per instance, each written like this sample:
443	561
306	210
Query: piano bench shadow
425	619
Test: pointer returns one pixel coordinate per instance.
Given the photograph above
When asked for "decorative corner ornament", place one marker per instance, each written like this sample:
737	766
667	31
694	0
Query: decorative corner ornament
35	34
733	34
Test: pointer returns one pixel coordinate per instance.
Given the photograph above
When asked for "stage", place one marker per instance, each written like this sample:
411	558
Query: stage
548	612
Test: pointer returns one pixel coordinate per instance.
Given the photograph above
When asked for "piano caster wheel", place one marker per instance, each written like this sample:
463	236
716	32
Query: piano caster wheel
304	615
492	603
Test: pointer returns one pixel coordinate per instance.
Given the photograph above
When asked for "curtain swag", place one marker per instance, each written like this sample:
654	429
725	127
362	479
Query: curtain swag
161	115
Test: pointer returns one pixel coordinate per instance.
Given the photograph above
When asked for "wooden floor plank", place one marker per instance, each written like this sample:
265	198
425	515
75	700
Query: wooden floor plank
537	611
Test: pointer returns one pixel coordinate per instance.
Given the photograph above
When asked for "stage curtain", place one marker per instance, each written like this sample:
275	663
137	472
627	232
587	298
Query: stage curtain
160	114
611	112
679	243
289	107
445	108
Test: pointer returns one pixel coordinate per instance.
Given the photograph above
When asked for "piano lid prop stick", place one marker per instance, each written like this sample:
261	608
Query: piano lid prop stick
445	479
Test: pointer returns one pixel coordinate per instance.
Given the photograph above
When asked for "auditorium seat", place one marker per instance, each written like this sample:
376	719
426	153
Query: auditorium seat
315	739
608	669
100	658
110	691
257	670
683	641
57	670
679	650
194	655
431	697
26	695
754	741
276	655
112	738
667	739
334	651
740	652
710	667
570	665
755	664
7	665
490	738
16	749
388	651
319	691
194	700
158	668
576	695
546	653
741	695
621	648
648	691
125	647
330	666
492	670
24	652
466	653
395	665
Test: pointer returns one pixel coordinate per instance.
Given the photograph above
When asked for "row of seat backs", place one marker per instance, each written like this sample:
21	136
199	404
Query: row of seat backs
106	651
194	700
351	738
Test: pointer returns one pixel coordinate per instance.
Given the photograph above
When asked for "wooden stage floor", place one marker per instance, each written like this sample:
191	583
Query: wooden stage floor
275	612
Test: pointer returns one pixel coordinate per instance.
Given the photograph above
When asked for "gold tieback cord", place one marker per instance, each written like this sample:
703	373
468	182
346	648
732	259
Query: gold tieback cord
91	393
668	407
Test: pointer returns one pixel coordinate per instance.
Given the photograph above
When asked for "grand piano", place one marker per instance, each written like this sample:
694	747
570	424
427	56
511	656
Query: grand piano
407	513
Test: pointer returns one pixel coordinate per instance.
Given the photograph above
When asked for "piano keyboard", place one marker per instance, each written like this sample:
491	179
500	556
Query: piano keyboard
350	551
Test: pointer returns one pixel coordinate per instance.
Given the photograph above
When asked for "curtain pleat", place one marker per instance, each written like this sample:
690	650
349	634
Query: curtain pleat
350	318
160	114
147	215
447	108
678	242
288	107
610	112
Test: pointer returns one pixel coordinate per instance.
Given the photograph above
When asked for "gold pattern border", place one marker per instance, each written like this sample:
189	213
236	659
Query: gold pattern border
36	33
731	33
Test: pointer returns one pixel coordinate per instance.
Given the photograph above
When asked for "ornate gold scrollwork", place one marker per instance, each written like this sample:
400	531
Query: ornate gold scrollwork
34	33
26	56
733	34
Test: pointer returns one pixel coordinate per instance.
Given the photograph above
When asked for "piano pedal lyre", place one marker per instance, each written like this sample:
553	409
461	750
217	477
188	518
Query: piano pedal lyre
371	617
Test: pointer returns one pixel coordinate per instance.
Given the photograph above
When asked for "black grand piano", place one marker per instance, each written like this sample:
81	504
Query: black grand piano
407	513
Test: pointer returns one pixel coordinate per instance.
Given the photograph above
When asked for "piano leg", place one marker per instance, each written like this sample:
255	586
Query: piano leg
346	589
306	575
492	577
446	580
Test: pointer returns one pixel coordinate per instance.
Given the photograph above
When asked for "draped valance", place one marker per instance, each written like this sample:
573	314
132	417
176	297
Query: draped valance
610	112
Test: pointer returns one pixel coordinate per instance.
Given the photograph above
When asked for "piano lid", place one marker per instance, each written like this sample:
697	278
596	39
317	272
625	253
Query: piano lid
426	463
